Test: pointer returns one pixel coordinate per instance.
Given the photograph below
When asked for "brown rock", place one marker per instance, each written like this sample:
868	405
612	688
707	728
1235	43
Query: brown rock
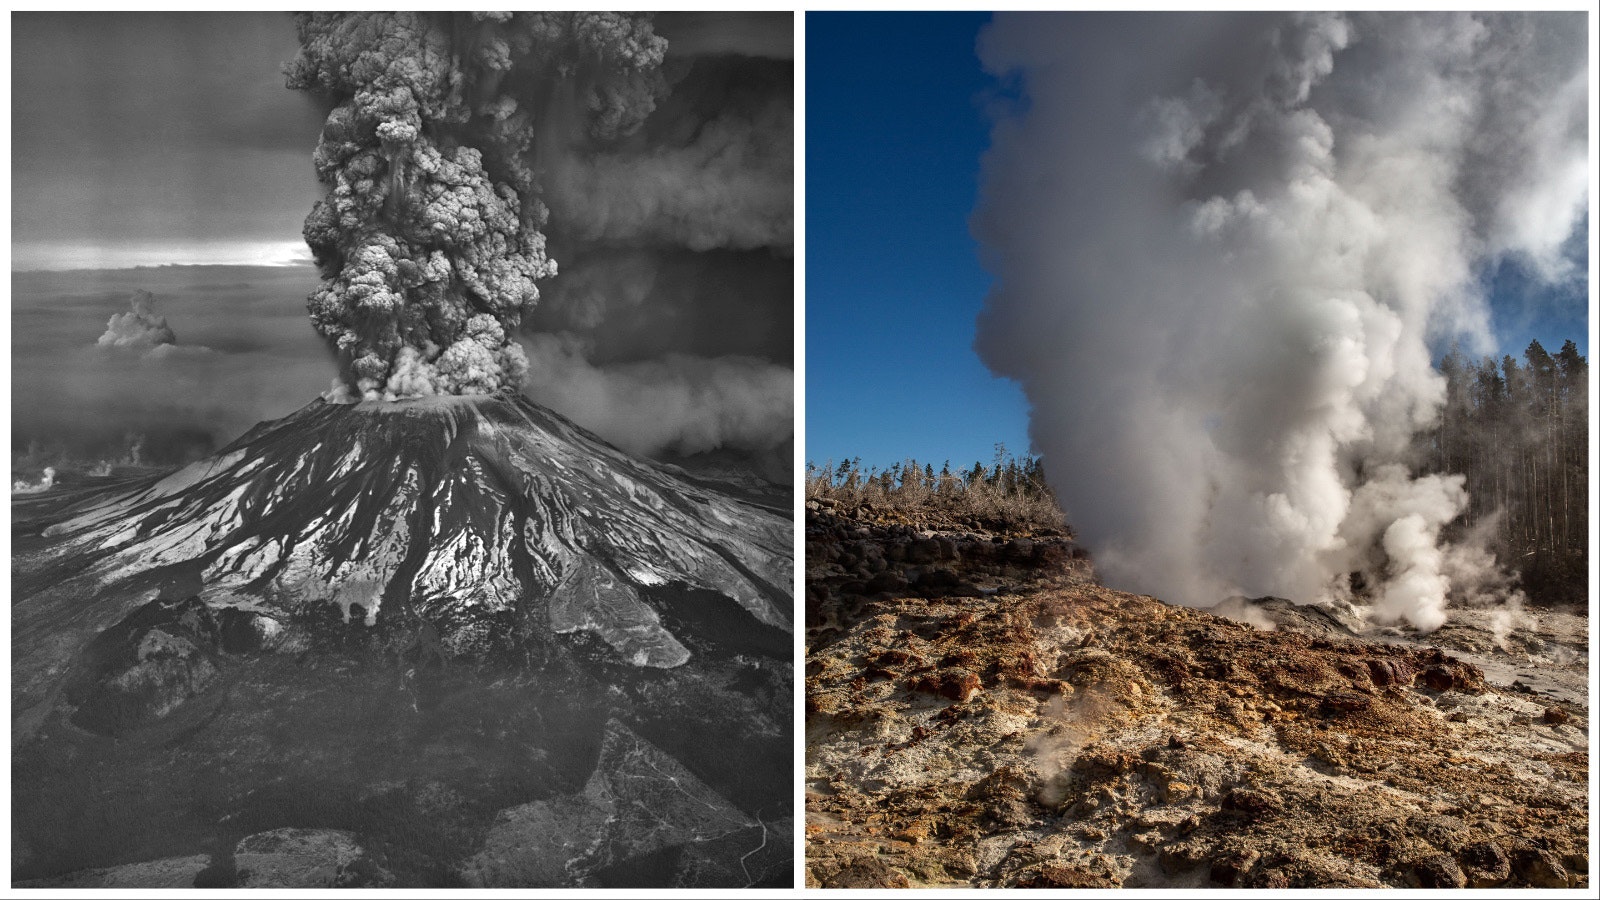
1341	702
1273	879
1059	876
1539	867
1182	856
1387	672
866	872
1449	674
1019	550
1436	871
1484	864
886	582
1251	803
1555	715
1007	797
1228	869
955	684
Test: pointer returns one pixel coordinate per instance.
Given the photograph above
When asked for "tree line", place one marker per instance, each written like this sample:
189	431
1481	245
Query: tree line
1519	432
1009	492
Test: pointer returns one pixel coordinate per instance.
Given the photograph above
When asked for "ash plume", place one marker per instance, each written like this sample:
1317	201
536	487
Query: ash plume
139	328
677	404
728	186
429	238
1223	245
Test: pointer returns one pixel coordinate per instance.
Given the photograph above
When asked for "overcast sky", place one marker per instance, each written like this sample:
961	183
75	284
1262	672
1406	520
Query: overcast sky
157	138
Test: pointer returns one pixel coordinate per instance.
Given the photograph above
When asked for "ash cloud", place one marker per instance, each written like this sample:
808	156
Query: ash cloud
672	404
727	183
1222	246
651	156
429	237
669	327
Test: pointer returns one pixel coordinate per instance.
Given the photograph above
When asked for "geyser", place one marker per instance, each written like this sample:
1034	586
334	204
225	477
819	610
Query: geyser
1222	246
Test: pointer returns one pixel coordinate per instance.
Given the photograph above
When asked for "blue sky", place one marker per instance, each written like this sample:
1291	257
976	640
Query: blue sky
894	130
1522	309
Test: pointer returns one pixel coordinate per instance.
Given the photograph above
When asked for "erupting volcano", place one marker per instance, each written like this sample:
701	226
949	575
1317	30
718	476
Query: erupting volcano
422	631
497	522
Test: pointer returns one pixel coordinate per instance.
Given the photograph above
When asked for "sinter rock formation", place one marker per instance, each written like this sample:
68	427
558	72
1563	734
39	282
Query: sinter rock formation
980	712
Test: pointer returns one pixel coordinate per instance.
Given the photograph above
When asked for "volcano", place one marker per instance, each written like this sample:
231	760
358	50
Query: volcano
517	594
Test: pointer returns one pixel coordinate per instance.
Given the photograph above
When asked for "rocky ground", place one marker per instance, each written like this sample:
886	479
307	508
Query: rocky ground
980	712
294	765
453	642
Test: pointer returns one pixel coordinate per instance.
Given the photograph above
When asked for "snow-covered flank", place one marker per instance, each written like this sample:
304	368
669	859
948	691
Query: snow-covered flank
473	513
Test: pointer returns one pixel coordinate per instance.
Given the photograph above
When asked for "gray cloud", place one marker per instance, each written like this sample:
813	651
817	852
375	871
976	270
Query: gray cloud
245	355
763	34
667	404
157	128
717	172
668	328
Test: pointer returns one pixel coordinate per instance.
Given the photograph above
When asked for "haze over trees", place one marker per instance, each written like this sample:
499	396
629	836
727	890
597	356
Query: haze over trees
1519	432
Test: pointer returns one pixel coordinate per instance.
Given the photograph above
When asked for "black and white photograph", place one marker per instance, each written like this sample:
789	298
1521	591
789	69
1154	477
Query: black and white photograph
402	440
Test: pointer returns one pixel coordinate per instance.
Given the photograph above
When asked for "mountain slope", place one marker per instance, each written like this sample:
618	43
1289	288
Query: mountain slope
482	516
396	621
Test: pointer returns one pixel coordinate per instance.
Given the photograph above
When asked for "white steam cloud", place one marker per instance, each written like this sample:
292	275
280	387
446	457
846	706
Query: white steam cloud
45	483
1222	244
139	328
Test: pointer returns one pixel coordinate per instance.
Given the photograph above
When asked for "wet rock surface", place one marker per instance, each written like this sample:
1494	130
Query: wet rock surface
1107	739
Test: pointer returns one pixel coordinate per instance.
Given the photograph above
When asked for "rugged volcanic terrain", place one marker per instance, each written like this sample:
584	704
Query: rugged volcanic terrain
979	711
451	641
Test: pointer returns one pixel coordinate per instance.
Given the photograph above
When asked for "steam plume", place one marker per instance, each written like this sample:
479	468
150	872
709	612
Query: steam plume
429	237
1222	245
139	328
46	481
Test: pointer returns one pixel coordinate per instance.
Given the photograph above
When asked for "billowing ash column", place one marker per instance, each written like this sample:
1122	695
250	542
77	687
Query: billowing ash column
429	237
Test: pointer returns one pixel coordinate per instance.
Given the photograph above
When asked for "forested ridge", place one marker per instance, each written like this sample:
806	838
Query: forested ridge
1519	432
